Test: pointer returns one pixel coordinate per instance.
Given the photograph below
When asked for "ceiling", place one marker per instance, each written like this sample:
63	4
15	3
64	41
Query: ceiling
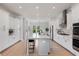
37	10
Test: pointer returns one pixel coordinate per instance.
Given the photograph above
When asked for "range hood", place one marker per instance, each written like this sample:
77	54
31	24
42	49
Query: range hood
64	19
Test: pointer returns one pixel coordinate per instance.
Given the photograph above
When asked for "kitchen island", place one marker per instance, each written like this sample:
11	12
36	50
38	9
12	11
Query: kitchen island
41	44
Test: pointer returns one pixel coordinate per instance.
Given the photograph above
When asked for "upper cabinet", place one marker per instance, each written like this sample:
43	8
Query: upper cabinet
75	13
4	23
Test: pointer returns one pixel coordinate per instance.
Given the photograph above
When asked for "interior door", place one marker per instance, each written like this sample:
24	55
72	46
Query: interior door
52	32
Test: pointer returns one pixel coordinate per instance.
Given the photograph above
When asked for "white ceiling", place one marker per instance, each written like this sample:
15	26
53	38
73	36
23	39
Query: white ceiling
31	10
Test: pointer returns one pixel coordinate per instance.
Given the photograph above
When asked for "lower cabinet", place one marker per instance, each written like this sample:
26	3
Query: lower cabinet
38	46
43	46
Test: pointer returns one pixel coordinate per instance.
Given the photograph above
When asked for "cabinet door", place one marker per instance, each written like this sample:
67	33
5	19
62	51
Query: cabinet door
75	13
3	29
43	47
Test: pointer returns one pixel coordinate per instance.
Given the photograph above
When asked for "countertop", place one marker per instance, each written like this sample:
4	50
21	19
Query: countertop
39	37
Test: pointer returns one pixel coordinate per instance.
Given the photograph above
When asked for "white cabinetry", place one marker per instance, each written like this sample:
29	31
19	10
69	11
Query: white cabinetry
66	41
14	23
4	20
75	13
43	46
6	40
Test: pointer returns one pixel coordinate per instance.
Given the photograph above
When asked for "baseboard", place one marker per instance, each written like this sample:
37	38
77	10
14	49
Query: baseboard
10	46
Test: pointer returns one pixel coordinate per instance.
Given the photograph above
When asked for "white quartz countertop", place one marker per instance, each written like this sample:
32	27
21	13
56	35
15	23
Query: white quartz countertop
39	37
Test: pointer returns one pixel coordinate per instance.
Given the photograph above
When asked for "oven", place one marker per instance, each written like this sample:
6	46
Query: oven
76	36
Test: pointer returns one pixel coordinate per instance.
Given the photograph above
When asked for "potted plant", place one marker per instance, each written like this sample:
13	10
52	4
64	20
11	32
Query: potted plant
34	29
38	29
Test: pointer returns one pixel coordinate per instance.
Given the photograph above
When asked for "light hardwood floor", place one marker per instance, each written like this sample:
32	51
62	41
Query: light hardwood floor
19	49
58	50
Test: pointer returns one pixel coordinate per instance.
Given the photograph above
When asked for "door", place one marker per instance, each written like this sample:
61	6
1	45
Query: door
52	32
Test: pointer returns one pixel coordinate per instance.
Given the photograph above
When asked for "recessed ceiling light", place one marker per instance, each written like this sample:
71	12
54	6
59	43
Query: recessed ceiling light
37	7
20	7
53	7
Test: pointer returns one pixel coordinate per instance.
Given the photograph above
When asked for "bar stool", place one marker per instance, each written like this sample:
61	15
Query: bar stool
31	45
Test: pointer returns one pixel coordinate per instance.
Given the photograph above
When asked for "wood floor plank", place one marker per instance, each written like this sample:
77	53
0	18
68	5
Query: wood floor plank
20	50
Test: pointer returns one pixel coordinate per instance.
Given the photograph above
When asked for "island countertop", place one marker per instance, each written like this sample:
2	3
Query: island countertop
39	37
42	44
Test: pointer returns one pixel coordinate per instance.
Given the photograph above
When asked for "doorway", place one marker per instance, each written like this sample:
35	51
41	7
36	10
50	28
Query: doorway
52	32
